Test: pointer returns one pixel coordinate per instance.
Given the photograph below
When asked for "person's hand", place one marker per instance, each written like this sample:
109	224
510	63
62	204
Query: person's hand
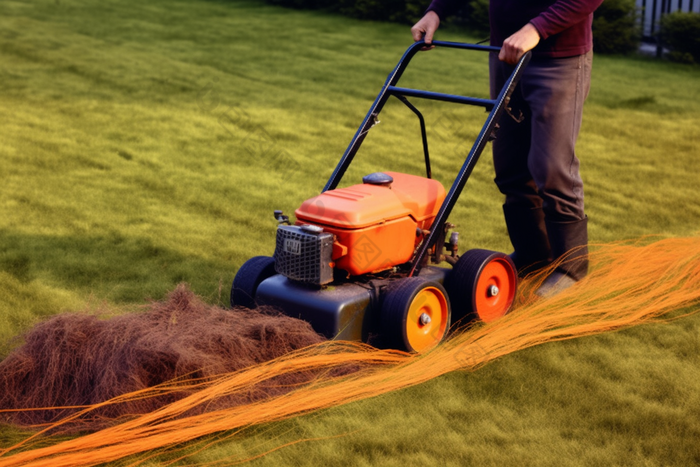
515	46
425	28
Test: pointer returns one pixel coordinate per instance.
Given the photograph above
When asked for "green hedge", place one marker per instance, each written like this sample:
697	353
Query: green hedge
399	11
680	32
474	16
615	27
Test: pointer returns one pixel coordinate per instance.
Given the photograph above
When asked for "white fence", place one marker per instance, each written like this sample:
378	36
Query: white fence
652	11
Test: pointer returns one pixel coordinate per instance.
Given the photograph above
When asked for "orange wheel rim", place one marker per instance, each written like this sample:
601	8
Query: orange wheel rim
495	290
423	333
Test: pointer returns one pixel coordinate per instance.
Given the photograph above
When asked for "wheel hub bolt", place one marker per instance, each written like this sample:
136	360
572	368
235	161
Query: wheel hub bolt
425	319
493	291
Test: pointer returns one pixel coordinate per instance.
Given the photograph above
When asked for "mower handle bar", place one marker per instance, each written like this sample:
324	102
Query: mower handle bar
495	107
390	89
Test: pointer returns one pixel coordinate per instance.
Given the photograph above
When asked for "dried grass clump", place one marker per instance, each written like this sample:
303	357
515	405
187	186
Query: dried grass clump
77	359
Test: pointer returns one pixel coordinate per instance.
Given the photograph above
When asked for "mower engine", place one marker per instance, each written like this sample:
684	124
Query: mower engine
357	230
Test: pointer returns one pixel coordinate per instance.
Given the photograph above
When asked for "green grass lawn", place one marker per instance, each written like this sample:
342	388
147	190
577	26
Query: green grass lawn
143	144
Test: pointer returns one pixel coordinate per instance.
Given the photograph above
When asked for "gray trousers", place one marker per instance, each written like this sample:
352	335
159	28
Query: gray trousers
534	160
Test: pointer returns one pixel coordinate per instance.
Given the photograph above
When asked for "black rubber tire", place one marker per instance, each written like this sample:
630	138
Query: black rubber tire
248	278
461	283
396	303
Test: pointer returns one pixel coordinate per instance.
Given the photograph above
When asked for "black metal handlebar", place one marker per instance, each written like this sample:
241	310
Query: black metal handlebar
390	89
494	106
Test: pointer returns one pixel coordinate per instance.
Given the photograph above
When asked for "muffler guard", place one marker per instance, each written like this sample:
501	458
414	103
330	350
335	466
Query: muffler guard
303	255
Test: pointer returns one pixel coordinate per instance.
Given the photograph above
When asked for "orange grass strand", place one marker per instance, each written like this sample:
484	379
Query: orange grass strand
232	384
629	284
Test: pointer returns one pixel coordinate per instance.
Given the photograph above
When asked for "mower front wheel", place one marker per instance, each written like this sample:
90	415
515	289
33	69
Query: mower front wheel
248	278
415	314
482	285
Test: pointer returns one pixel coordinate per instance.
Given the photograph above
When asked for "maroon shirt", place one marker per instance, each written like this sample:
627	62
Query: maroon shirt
564	25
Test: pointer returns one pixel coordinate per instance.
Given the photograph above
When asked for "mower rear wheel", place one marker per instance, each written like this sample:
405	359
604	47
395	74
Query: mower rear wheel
415	314
482	285
248	278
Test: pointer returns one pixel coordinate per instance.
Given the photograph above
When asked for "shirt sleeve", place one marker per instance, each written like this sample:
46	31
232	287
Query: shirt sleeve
562	15
443	8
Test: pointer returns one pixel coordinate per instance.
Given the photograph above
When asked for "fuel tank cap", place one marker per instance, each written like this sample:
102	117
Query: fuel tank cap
312	229
378	178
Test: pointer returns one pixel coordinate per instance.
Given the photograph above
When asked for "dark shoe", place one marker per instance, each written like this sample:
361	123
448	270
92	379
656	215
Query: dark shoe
569	242
557	282
528	234
525	268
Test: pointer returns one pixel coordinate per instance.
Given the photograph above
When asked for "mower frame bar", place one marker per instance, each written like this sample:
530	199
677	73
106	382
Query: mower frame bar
495	107
423	134
437	96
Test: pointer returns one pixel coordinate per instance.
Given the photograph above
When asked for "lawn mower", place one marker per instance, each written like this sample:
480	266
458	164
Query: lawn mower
360	262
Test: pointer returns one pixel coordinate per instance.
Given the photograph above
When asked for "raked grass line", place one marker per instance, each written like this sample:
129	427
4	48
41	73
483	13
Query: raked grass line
147	144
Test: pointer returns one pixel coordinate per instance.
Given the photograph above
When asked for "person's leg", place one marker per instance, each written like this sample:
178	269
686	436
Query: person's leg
555	91
512	144
523	206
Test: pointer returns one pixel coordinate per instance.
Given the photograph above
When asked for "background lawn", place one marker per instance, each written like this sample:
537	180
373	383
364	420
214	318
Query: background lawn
146	144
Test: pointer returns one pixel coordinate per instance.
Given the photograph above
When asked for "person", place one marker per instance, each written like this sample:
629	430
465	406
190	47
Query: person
534	159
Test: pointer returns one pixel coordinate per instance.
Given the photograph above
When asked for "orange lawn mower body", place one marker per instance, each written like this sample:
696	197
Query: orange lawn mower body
360	262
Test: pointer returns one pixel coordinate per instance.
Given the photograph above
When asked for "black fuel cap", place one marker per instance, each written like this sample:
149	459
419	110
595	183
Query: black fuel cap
378	178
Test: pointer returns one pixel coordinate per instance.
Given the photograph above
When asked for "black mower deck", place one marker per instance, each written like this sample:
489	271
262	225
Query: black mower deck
339	312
